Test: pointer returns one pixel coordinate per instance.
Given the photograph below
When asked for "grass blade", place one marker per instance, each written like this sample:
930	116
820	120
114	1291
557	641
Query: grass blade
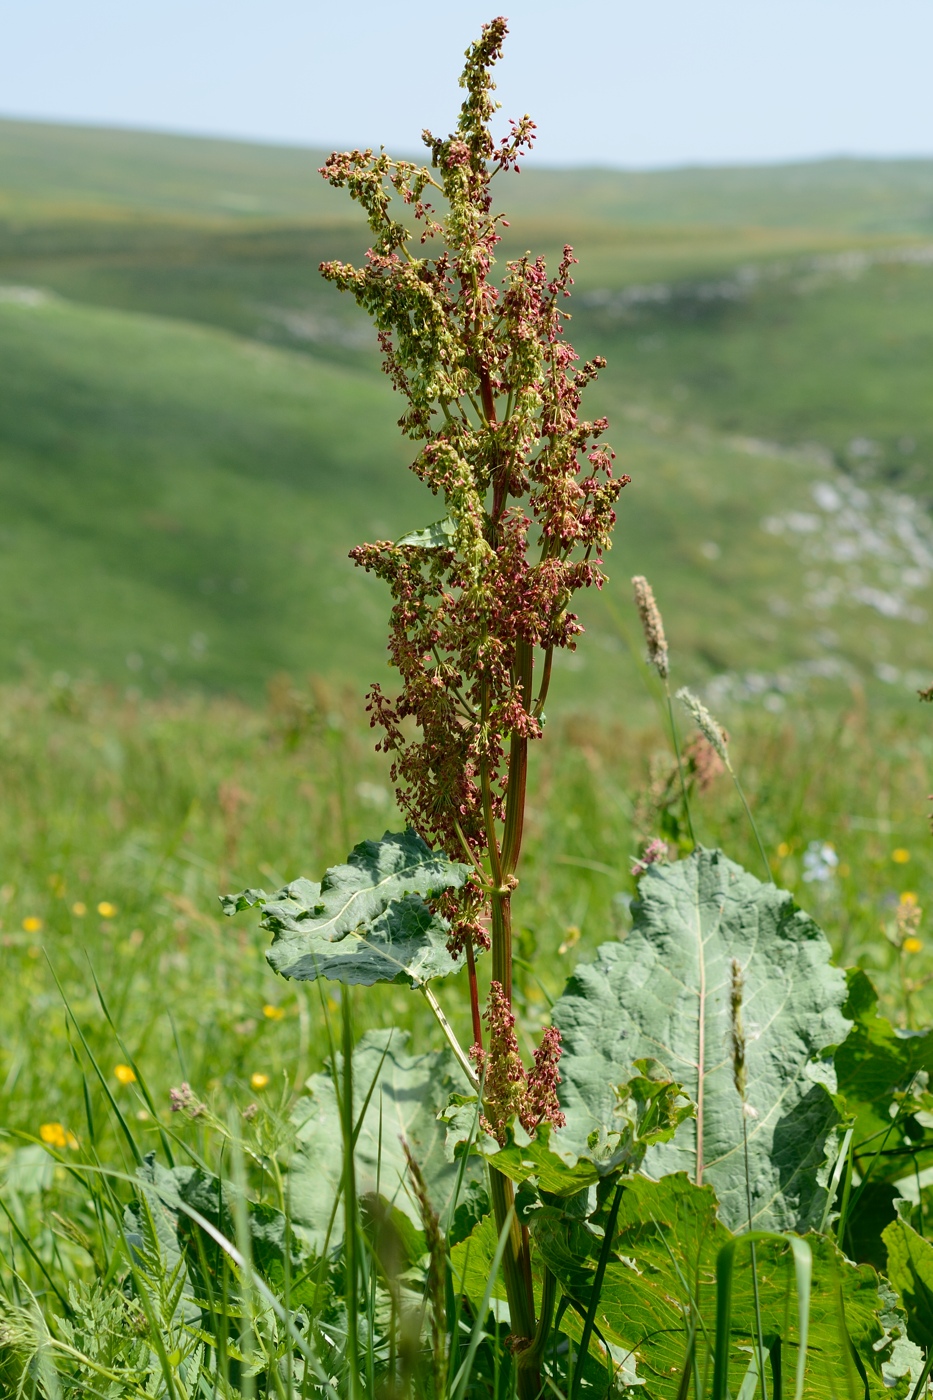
725	1269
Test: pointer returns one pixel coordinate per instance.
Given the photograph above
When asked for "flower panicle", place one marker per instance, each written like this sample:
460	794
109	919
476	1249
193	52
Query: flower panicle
184	1100
493	395
509	1090
542	1104
652	624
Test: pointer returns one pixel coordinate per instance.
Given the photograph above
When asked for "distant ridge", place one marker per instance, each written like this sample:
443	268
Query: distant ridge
92	170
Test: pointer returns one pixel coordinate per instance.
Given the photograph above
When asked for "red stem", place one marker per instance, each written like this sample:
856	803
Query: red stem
474	996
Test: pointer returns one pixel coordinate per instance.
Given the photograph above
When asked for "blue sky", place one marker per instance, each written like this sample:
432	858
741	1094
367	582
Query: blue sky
631	83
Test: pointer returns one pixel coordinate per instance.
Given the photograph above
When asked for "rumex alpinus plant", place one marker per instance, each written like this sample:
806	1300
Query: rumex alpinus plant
483	599
750	1149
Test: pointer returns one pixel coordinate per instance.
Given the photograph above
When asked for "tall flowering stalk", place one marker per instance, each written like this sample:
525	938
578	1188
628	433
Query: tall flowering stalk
482	599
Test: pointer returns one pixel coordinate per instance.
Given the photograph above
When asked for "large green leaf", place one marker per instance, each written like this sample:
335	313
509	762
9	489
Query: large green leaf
910	1269
882	1075
405	1095
665	992
662	1273
367	921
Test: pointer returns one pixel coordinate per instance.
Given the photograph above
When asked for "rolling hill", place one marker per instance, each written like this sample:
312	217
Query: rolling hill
194	430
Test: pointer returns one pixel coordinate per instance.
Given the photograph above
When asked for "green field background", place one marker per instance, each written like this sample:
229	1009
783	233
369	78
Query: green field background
194	429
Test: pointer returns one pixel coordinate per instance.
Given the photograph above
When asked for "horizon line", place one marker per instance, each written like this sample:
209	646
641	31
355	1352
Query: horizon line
285	144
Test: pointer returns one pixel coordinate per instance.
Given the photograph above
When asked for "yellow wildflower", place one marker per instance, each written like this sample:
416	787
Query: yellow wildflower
124	1074
900	856
258	1080
57	1135
32	924
106	910
912	945
908	897
273	1013
79	909
784	850
571	939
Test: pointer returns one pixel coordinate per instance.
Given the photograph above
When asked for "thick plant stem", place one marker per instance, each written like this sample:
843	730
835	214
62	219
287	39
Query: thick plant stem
523	672
501	901
515	807
474	996
516	1267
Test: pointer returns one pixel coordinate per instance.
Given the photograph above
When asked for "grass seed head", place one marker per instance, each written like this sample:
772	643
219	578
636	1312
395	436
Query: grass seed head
739	1075
712	732
652	625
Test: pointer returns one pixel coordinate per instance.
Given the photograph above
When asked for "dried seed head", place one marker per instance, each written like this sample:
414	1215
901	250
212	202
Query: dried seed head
739	1075
437	1265
712	732
926	694
652	625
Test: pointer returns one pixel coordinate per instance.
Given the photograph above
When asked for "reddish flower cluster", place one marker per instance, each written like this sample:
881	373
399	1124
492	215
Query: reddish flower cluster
482	599
494	395
509	1090
656	850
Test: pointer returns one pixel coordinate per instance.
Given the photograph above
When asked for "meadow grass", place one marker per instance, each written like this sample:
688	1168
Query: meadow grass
124	819
165	489
825	350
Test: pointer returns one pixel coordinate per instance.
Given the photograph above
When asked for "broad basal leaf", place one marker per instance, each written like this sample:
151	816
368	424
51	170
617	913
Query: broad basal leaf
367	921
660	1283
910	1269
665	992
406	1093
883	1074
663	1255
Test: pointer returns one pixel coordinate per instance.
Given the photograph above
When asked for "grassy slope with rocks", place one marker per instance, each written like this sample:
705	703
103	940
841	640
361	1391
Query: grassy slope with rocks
195	429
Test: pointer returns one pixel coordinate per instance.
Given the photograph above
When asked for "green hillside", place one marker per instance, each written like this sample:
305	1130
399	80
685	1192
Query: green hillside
194	430
46	167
